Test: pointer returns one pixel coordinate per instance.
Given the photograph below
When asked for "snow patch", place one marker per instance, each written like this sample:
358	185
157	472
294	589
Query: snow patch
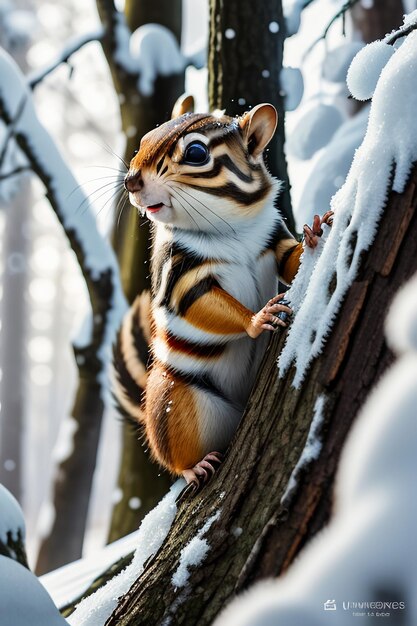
70	581
331	168
367	552
95	610
156	52
292	84
390	141
402	335
65	442
311	449
337	61
23	600
314	130
11	516
292	13
366	68
193	554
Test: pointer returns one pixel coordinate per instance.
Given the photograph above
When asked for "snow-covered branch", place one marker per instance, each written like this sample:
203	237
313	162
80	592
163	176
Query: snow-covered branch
390	145
410	24
93	253
340	14
150	51
12	528
63	57
292	13
23	600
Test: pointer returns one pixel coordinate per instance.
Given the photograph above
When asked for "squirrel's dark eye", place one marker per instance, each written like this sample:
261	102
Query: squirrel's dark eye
196	153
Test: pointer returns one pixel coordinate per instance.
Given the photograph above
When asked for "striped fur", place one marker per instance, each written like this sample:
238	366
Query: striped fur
218	248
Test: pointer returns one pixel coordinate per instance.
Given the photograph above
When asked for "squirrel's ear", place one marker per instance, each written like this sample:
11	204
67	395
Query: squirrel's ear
184	104
258	126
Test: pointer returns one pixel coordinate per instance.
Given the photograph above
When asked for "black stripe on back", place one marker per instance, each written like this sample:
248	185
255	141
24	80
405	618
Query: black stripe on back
124	379
201	381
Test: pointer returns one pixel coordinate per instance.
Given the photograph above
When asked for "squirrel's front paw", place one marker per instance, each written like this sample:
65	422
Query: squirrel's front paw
311	235
274	313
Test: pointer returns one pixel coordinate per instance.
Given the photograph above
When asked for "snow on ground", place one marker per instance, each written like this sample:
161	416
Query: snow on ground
95	609
70	581
11	516
23	600
390	141
193	553
367	553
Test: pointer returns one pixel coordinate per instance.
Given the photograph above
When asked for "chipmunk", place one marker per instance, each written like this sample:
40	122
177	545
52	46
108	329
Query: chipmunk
219	246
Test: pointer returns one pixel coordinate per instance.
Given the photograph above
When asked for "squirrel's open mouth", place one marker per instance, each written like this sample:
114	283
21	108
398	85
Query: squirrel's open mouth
154	208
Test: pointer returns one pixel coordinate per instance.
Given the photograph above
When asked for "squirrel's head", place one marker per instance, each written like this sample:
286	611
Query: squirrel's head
198	171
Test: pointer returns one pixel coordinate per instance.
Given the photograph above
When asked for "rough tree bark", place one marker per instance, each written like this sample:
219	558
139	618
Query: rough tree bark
249	487
245	59
138	478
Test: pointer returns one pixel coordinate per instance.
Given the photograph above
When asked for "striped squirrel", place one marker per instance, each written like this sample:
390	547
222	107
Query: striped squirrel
218	242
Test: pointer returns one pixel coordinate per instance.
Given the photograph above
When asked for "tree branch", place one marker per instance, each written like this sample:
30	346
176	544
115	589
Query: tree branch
341	13
15	172
403	31
71	48
101	274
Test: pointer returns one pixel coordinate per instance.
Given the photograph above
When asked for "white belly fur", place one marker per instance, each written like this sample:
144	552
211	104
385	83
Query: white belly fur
235	371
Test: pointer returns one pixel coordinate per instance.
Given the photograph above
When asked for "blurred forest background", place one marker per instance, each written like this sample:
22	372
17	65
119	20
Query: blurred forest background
99	488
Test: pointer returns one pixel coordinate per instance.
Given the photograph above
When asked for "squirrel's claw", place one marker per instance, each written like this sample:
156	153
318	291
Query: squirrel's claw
312	234
327	218
200	474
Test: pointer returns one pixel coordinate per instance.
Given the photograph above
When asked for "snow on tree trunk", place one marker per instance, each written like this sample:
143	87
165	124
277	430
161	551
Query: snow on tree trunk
245	62
262	524
368	549
259	531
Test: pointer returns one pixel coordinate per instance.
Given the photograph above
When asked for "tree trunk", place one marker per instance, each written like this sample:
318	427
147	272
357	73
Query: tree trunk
245	60
13	340
138	477
257	535
375	20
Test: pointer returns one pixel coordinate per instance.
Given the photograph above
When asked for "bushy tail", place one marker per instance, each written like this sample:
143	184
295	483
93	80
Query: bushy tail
130	358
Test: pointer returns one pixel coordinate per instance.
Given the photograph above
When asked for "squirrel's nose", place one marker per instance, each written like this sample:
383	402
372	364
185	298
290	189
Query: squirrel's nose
133	182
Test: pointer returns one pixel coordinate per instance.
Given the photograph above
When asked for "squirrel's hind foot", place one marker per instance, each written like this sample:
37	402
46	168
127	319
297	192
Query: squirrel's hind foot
203	470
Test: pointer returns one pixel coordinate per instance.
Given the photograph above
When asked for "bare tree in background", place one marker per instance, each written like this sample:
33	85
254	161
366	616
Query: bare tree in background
239	80
138	478
13	341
